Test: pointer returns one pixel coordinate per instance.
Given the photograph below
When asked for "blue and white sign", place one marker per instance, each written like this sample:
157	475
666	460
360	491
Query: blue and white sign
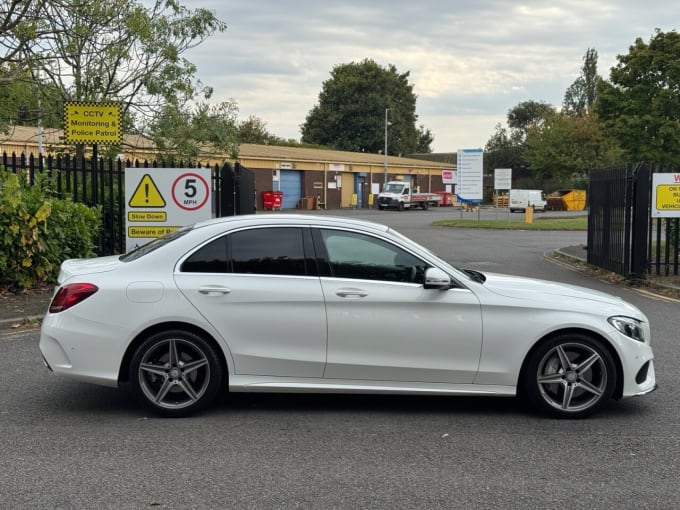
470	175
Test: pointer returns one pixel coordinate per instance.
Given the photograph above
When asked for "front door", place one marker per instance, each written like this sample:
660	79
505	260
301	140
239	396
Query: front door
384	325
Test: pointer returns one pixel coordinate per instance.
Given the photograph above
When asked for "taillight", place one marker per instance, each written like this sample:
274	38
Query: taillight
70	295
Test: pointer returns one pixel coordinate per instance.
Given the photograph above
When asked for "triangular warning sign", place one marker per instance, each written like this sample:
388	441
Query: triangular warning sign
147	194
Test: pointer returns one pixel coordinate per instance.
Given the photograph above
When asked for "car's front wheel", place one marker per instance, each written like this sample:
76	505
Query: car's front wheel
175	373
570	376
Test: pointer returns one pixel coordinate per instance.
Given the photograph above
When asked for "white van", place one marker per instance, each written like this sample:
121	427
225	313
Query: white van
520	199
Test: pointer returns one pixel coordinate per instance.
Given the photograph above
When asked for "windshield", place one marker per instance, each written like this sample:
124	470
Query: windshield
154	244
393	188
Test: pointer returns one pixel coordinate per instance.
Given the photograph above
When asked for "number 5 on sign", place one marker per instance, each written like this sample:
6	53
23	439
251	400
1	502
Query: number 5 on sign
190	191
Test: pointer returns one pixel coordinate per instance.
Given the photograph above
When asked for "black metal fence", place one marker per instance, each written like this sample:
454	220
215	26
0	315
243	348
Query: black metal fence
622	235
101	182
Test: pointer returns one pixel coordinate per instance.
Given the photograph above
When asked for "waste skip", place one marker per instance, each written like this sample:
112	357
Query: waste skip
567	200
446	197
272	200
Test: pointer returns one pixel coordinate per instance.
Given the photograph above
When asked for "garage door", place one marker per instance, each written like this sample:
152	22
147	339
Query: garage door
291	185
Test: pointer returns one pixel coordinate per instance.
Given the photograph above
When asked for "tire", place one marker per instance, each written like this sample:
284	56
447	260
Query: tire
401	206
425	206
175	373
569	376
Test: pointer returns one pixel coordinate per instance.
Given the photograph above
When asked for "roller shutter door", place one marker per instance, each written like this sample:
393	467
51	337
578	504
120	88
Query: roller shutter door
291	185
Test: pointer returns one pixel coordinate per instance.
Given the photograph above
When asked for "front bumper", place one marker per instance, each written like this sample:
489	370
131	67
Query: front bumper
388	202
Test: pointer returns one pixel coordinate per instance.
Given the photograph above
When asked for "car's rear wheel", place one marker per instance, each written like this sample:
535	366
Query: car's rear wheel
570	376
175	373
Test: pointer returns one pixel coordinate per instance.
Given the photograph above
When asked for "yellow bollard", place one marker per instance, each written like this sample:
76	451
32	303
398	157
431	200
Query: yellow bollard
529	214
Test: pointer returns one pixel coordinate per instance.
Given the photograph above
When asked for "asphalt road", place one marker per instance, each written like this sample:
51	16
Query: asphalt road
68	445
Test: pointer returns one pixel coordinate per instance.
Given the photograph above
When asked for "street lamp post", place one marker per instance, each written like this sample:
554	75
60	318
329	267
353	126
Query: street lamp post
385	153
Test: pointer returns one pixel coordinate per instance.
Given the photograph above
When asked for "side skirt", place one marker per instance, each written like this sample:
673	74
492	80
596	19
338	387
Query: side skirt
249	383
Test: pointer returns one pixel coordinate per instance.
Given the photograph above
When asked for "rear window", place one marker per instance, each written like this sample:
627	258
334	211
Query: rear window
154	244
270	250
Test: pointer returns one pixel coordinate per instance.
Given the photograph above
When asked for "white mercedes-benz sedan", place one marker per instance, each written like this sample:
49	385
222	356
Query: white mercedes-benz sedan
297	303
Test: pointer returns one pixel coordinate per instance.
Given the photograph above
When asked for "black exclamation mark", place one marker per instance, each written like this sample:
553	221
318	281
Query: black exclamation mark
146	192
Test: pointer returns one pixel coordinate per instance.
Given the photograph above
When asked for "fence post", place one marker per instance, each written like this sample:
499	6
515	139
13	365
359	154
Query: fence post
641	199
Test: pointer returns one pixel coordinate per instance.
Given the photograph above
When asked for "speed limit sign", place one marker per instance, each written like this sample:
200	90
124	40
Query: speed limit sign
161	200
190	191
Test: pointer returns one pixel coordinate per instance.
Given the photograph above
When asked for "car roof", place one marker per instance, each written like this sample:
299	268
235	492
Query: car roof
284	218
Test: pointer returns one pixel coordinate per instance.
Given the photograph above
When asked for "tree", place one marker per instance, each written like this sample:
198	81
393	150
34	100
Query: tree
19	20
505	147
351	111
194	133
528	115
561	153
253	130
22	102
579	98
503	150
640	105
425	139
120	50
564	146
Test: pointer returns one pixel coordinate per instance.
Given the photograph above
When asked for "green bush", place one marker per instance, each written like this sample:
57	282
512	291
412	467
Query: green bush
39	230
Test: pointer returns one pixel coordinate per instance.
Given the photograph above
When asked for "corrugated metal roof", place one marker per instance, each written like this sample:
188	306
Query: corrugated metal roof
282	153
22	135
28	135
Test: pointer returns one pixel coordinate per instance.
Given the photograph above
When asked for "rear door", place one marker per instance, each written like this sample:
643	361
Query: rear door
260	289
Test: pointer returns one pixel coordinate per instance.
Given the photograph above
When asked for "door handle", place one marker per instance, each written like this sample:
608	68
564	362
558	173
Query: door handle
358	293
214	290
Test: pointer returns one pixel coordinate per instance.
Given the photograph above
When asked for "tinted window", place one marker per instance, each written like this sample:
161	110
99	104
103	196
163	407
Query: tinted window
211	258
255	251
268	251
353	255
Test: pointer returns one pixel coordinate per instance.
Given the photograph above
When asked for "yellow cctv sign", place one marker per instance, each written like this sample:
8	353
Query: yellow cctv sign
92	122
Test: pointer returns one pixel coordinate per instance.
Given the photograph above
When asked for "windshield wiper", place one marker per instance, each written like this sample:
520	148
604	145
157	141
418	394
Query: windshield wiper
475	275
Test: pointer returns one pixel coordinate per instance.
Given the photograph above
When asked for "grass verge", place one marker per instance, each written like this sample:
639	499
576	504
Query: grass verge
571	223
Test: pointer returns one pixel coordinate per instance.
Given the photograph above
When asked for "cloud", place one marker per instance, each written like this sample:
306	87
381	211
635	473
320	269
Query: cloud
469	61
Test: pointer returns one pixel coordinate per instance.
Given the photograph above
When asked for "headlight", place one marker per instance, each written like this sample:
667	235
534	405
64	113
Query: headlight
630	327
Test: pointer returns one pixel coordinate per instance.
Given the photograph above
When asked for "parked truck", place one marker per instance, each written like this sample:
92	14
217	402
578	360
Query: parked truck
400	195
520	199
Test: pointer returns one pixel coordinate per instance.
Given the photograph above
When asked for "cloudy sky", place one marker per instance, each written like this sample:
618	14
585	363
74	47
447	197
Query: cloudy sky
469	61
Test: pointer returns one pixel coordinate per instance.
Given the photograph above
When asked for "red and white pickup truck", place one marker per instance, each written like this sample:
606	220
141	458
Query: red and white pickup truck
399	195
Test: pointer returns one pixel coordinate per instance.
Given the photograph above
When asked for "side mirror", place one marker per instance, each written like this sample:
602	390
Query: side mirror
435	278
